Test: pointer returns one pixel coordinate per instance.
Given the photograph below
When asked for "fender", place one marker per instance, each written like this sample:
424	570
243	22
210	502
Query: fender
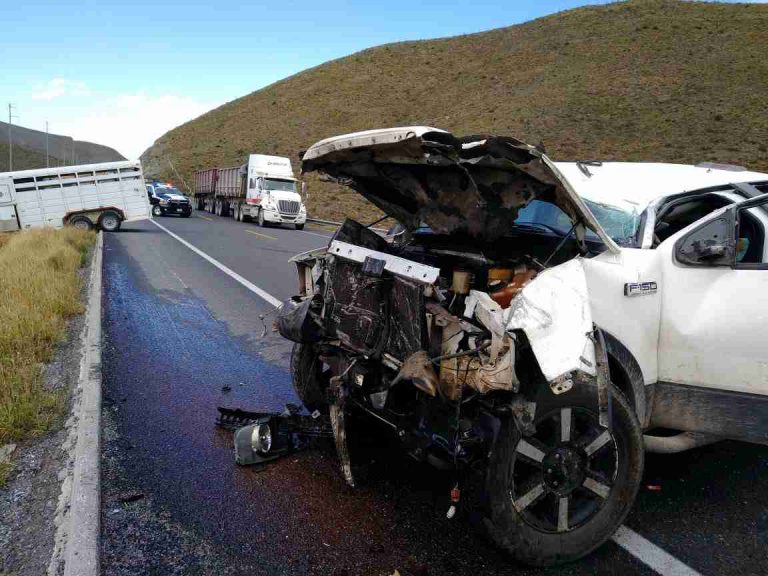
627	376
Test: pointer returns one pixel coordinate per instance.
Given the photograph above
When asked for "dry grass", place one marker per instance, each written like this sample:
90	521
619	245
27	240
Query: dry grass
39	290
657	80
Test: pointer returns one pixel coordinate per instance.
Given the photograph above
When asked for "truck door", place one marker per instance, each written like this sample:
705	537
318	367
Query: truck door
8	218
713	365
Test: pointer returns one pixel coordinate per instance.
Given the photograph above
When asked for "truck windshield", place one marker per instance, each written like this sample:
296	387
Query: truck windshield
281	185
619	222
167	190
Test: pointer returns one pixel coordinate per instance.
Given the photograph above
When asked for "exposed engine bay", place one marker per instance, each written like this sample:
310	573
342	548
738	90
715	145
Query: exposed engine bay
430	340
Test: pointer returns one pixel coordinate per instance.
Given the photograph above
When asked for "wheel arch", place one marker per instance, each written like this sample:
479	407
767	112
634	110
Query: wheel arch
92	213
627	376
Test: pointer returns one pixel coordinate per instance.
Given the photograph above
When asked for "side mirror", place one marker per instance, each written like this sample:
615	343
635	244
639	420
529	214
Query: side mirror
713	251
712	243
304	193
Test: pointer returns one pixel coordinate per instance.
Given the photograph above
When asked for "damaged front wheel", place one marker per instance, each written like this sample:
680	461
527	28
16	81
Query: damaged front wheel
560	493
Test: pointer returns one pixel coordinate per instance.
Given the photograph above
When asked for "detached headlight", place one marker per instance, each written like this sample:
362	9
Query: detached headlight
261	438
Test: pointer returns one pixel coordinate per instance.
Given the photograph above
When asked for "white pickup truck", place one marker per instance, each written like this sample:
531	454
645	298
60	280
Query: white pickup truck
92	195
544	323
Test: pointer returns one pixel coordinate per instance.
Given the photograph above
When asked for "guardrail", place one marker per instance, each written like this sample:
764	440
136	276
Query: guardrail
337	224
326	222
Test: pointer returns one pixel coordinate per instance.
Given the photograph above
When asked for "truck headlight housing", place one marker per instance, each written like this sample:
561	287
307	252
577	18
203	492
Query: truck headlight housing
261	438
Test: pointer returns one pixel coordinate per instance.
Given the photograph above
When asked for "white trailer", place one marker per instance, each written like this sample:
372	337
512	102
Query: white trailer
91	195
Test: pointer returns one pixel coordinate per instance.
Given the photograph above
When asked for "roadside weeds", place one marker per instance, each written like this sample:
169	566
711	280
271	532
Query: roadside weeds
39	290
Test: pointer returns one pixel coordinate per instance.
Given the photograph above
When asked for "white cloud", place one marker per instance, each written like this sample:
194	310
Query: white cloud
130	123
58	87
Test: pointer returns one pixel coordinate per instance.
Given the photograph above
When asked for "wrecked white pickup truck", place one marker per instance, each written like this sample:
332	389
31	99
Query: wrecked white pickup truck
530	320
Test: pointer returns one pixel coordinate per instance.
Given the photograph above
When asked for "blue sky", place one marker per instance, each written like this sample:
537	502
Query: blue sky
122	74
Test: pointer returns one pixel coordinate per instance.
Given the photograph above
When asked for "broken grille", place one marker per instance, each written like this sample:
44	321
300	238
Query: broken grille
289	206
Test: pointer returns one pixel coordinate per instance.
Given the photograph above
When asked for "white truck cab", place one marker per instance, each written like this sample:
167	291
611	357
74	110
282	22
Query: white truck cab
271	188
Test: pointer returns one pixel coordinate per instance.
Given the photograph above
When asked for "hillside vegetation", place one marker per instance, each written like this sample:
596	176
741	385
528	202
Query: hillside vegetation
24	159
640	80
29	150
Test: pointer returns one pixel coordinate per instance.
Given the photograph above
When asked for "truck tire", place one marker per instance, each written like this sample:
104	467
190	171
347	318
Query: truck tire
110	221
310	378
80	222
261	220
555	497
157	211
299	226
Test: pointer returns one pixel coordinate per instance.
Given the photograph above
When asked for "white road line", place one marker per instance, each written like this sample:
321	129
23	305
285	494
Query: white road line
231	273
317	234
650	554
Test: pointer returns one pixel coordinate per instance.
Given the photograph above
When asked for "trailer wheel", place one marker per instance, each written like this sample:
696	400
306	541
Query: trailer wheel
157	211
558	494
81	222
110	221
310	377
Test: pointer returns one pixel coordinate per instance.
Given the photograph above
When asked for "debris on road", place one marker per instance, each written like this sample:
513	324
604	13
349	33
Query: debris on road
261	437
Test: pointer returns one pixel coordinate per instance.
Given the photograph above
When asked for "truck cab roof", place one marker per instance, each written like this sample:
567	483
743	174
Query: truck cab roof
642	183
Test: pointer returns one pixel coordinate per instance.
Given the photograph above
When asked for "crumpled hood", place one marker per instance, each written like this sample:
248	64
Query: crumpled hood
472	184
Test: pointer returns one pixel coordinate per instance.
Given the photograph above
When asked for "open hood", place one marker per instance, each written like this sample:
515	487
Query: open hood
473	184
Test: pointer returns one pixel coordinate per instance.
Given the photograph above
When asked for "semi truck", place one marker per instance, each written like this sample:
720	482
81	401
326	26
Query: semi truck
87	196
263	189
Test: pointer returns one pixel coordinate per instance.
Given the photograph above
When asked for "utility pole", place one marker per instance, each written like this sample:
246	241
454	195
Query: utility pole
47	163
11	116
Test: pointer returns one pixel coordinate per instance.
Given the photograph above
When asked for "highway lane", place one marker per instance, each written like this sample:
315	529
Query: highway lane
181	337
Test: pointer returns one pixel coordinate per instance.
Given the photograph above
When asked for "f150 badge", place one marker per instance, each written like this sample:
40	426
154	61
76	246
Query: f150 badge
640	288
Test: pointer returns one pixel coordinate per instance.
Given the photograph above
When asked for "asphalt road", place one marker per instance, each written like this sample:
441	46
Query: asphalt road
182	337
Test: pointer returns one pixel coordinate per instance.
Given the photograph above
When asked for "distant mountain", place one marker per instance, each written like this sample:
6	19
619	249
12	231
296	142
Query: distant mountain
29	149
24	159
639	80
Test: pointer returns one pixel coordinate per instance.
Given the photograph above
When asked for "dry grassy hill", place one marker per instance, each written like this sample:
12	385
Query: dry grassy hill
29	149
23	158
639	80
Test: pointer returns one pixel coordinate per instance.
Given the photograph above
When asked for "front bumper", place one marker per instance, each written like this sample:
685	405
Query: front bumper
176	208
276	217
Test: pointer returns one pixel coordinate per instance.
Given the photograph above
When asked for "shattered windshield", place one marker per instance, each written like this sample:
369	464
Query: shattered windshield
281	185
619	222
